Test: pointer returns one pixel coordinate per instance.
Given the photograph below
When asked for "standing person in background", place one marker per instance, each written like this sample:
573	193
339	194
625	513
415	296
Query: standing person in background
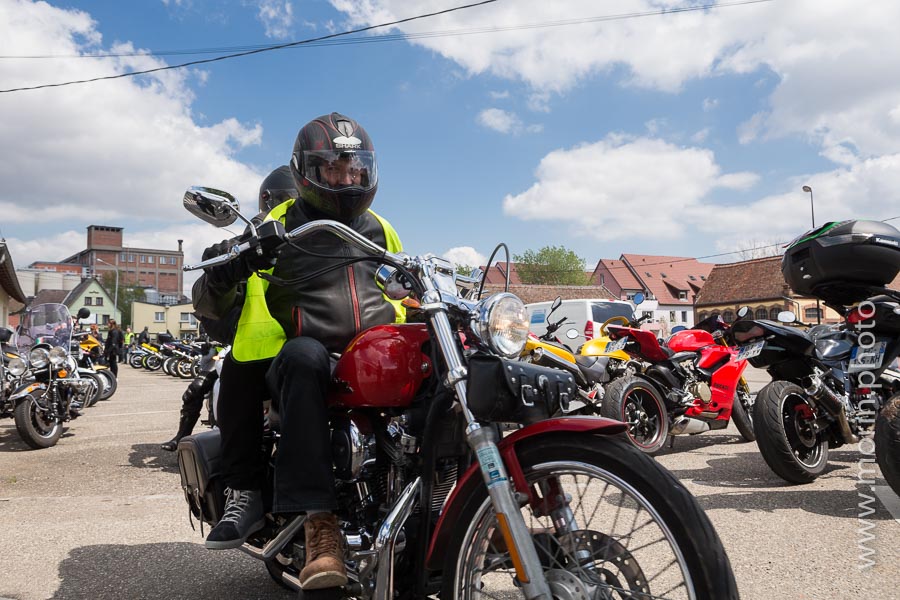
129	343
115	341
144	336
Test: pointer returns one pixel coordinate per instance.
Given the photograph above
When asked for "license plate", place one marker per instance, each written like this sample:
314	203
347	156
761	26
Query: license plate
750	350
616	345
867	358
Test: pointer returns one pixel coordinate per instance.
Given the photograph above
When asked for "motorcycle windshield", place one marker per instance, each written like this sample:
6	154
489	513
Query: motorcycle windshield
48	324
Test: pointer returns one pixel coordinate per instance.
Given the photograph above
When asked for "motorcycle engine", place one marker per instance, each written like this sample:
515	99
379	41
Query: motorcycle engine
351	447
699	389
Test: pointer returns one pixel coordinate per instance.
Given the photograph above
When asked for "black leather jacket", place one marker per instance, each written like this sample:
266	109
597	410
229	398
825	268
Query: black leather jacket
332	307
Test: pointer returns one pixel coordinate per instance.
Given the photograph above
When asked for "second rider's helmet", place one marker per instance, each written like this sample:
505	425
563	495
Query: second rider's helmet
277	187
334	167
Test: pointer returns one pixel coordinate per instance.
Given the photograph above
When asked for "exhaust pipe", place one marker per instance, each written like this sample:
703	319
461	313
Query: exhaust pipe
548	359
688	426
821	392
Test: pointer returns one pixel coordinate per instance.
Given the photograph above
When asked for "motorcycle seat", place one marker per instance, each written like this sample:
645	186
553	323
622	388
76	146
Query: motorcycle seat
593	368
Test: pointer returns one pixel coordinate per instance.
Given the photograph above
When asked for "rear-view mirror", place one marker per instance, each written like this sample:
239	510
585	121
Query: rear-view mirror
83	313
743	312
787	316
572	334
638	298
213	206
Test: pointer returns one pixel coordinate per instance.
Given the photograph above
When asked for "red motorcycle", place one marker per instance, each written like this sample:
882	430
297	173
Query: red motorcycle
432	501
688	385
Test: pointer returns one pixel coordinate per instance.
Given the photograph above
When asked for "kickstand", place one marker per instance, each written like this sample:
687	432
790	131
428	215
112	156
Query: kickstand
671	442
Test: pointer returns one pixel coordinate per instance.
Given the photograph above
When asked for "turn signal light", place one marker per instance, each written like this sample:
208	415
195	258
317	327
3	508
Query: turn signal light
62	373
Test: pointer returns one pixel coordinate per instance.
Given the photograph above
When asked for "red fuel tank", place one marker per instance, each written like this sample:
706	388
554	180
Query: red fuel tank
382	367
690	340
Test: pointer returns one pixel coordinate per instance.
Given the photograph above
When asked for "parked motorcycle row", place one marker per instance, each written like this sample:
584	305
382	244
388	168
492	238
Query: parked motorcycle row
47	377
174	358
831	384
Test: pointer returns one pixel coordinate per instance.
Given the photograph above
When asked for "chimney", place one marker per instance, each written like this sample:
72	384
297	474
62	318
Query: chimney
179	244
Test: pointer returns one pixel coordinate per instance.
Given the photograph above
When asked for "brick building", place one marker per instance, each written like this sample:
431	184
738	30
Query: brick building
143	267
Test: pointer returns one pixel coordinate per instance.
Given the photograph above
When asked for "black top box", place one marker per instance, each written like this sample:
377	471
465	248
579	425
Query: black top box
840	261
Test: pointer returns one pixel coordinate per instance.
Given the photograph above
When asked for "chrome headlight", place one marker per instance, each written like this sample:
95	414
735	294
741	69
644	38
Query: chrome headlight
58	356
501	322
17	367
39	358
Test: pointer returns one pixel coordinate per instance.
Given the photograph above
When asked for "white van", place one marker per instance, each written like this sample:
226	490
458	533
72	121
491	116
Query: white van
584	316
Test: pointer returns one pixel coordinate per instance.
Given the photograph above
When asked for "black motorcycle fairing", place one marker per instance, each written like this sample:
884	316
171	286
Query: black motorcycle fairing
593	368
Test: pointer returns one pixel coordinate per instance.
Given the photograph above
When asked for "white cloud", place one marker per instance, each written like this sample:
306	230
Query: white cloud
623	186
465	255
277	16
700	136
499	120
835	74
499	95
864	190
118	148
505	121
710	104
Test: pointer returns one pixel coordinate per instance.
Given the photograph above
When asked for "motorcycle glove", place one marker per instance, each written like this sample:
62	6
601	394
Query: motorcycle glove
259	257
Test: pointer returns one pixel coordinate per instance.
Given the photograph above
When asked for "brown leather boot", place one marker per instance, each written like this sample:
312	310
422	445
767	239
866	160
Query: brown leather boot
324	554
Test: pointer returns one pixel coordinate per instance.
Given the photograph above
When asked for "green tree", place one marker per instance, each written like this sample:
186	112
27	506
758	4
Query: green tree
551	265
127	295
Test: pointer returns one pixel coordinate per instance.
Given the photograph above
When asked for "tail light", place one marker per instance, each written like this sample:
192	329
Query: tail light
589	330
855	316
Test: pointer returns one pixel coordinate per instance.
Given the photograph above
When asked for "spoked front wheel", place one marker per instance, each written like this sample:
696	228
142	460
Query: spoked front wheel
607	522
35	425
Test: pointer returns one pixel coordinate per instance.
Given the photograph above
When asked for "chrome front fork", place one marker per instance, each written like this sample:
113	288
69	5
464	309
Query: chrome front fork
483	442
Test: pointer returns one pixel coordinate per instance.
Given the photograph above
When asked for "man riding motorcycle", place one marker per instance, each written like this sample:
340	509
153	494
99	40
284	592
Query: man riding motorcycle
284	335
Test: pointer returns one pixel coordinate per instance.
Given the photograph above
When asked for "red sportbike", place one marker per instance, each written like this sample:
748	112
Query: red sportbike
430	499
691	384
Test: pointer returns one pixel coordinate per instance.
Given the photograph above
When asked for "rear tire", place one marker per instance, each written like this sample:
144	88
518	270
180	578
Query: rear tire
33	428
135	361
742	411
887	442
152	362
687	547
783	435
636	402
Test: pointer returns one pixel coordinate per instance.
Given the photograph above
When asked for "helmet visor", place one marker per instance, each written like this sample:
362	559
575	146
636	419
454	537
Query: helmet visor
341	169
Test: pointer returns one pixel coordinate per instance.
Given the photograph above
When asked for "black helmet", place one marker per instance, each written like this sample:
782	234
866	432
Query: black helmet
334	167
277	187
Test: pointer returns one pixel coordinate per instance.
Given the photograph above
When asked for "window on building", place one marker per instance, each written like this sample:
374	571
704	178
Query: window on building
602	279
150	259
185	317
159	316
106	319
131	258
98	301
812	313
647	274
122	257
88	301
692	278
143	259
648	313
728	316
773	313
671	316
701	316
682	295
762	313
684	318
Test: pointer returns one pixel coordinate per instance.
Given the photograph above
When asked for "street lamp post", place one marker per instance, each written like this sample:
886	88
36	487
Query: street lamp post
116	293
812	212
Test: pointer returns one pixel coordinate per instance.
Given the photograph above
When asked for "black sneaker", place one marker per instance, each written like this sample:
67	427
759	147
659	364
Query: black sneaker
243	515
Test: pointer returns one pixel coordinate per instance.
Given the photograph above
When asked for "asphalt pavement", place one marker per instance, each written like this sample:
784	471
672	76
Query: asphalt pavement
101	515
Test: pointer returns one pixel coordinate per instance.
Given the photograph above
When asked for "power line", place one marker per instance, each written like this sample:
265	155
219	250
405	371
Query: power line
249	52
397	37
329	40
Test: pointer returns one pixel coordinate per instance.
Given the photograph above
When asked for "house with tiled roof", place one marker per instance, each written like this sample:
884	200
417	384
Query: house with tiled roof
11	294
759	284
670	284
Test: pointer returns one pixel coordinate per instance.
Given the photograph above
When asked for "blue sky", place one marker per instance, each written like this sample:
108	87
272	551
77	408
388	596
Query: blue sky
686	134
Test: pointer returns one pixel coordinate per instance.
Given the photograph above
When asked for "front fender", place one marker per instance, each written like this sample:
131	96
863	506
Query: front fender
26	389
471	481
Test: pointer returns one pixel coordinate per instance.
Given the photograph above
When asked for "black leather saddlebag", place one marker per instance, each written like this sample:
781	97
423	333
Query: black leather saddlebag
199	462
512	391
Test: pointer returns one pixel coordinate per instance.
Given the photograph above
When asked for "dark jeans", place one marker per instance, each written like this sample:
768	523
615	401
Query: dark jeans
112	360
298	378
